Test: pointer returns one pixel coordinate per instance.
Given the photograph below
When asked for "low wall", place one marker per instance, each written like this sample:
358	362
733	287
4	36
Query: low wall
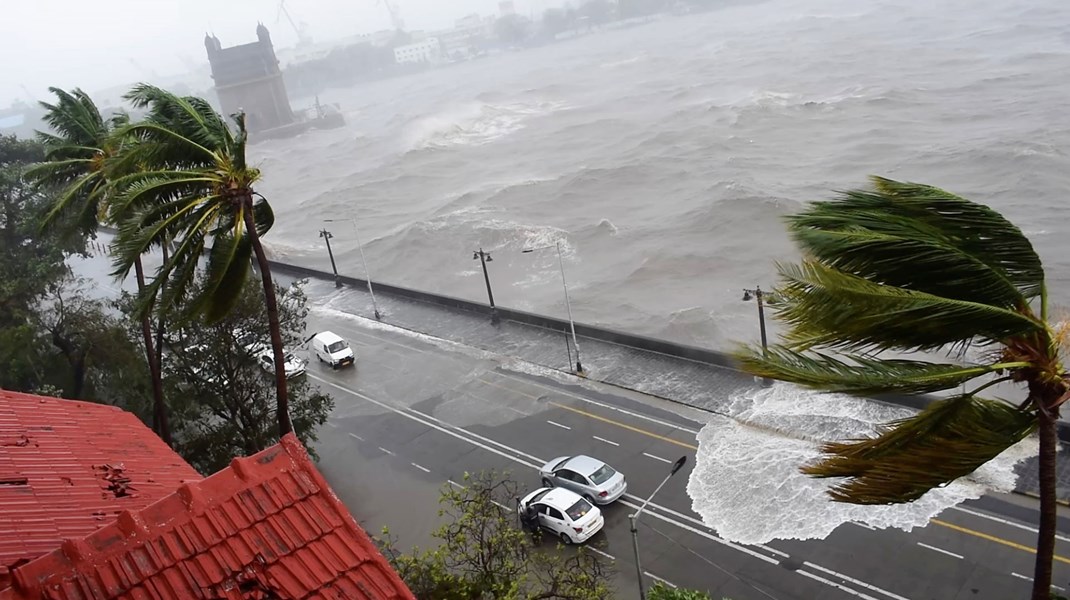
703	355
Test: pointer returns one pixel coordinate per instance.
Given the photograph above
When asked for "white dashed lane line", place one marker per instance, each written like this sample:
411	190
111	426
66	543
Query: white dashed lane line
664	460
386	451
556	424
356	437
424	469
605	441
656	578
940	550
605	554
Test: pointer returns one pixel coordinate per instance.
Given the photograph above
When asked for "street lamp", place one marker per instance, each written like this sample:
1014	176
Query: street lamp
484	258
367	275
757	294
568	303
326	235
635	517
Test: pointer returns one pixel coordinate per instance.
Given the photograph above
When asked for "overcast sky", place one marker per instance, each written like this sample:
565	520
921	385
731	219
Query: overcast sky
103	43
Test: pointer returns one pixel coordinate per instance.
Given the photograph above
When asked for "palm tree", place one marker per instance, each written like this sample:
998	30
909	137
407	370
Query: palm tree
196	187
78	158
911	268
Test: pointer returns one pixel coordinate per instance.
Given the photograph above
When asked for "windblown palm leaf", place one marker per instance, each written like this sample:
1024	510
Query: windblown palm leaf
861	374
827	307
76	157
948	440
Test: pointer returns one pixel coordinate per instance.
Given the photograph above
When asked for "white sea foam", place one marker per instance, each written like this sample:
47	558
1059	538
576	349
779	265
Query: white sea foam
746	483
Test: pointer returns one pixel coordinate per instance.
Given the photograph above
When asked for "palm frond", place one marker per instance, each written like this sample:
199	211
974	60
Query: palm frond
948	440
263	215
965	233
829	308
227	270
860	374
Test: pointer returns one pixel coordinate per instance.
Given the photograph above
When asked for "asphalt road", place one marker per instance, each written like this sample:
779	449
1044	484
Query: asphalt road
415	414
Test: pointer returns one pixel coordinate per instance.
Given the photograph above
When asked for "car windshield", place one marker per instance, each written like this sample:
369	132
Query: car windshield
602	475
577	510
337	346
539	496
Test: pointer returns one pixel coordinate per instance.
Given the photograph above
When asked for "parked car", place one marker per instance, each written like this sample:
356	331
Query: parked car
589	477
564	513
330	348
295	367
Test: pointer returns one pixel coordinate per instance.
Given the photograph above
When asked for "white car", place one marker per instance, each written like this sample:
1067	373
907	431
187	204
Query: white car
565	513
589	477
295	367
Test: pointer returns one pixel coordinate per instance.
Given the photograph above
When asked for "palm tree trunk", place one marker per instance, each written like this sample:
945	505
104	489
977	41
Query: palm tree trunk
282	408
1048	507
159	408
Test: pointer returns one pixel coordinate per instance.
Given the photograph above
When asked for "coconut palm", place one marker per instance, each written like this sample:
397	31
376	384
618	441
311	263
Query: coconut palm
78	156
911	268
196	187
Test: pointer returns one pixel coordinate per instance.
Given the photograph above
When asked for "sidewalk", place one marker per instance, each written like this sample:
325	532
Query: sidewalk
695	384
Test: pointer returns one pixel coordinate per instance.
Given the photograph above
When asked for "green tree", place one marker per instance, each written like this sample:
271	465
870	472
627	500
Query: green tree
911	268
224	403
484	555
30	264
660	591
79	154
196	187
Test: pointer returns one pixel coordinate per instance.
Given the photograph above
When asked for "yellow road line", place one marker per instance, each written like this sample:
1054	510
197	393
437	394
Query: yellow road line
993	538
939	522
508	389
625	426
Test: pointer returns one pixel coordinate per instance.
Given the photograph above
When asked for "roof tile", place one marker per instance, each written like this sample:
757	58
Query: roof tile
73	467
267	526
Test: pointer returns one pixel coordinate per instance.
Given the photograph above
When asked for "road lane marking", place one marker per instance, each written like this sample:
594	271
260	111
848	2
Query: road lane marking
555	424
855	581
940	550
355	436
597	551
424	469
387	451
610	442
332	426
993	538
508	389
1004	521
1020	576
664	460
656	578
636	415
450	430
625	426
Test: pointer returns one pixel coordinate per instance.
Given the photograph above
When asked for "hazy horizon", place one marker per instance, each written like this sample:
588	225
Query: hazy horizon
96	46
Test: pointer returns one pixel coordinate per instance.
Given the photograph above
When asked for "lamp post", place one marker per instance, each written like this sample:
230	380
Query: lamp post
367	275
568	302
484	258
635	517
757	294
326	235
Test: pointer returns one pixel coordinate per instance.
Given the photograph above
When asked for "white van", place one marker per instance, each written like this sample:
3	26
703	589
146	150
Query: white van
332	349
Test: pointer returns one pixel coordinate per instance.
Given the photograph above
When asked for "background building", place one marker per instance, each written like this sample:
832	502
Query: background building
428	50
247	78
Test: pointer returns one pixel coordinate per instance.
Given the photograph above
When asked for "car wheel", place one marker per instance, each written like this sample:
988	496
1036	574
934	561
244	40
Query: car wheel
590	499
566	539
334	367
547	483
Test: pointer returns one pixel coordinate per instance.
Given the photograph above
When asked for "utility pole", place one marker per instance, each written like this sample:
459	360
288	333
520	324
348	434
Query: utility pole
757	294
484	258
326	235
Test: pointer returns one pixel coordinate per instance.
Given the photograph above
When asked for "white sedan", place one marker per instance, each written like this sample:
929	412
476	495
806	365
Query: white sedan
295	367
563	512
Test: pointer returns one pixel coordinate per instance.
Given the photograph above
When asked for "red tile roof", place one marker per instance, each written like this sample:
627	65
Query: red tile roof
268	526
68	468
